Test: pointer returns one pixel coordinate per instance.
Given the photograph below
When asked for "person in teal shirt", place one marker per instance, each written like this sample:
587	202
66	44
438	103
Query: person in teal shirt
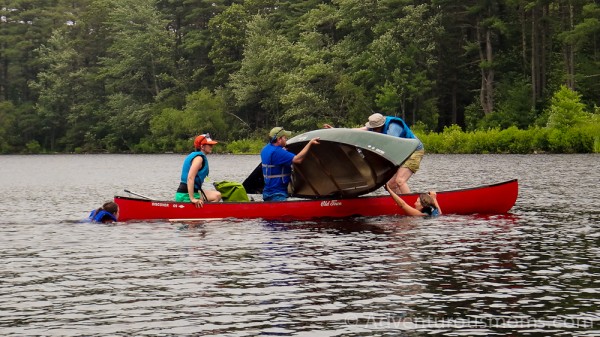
395	126
194	172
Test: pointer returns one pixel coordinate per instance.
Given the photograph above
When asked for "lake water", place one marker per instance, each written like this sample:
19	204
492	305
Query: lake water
533	272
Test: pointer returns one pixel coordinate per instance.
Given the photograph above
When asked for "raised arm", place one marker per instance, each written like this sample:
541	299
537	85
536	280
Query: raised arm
435	202
300	156
409	210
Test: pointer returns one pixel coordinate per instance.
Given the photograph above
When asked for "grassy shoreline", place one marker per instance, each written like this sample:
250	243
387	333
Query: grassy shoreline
580	139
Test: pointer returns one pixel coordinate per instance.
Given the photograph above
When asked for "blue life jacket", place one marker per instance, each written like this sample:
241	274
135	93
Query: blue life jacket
406	131
431	211
202	173
99	216
276	168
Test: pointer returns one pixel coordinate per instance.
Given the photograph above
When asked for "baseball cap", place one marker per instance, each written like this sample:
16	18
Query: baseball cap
203	139
278	131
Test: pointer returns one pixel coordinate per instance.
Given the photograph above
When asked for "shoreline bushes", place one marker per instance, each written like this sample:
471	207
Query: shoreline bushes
578	139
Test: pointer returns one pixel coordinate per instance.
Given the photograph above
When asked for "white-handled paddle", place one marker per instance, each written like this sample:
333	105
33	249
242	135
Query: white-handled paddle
139	195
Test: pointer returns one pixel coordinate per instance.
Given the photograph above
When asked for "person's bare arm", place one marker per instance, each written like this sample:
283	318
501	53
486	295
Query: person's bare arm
194	168
405	207
300	156
435	202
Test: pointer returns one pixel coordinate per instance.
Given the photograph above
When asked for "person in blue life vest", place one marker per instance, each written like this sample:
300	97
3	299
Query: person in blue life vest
194	172
109	212
395	126
426	204
277	164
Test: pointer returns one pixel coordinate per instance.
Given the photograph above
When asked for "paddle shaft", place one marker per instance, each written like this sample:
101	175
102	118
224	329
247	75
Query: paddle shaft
139	195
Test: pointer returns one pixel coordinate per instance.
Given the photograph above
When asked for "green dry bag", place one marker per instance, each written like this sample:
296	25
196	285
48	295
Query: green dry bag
232	191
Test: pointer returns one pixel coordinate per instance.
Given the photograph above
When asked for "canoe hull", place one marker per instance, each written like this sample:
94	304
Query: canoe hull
347	163
490	199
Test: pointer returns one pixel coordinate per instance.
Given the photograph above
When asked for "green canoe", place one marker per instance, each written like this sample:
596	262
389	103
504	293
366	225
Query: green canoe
347	162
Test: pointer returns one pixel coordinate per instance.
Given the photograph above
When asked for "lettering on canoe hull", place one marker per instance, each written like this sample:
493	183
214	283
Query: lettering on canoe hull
166	204
329	203
376	149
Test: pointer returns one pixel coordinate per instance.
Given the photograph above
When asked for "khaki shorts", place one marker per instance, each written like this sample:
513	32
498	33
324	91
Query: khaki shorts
414	161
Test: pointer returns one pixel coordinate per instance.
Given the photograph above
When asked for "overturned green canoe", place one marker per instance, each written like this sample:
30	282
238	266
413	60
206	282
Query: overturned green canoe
347	162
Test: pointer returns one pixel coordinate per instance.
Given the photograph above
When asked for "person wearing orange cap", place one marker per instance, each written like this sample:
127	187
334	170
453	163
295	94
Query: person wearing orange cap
193	173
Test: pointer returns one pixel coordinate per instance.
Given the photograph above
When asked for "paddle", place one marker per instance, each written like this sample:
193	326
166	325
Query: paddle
139	195
255	182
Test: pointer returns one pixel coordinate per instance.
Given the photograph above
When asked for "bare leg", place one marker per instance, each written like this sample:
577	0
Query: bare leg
399	180
212	196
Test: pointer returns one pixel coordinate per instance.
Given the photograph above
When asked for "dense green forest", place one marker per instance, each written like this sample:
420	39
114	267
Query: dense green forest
148	75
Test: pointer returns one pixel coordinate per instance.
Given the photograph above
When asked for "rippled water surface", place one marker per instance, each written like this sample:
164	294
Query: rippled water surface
533	272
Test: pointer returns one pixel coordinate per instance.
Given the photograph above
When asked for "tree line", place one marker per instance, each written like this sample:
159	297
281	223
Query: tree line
149	75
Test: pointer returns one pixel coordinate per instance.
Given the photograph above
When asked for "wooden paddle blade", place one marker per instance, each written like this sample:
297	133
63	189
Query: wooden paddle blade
255	183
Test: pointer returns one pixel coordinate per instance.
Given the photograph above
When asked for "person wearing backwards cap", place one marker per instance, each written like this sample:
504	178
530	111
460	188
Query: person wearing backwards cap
395	126
277	164
193	173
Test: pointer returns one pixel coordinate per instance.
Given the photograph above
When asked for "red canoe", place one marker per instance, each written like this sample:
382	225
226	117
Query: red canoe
490	199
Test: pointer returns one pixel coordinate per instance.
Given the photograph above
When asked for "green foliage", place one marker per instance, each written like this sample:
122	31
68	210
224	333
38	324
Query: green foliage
428	113
245	146
128	121
55	86
204	111
473	115
174	130
585	31
24	26
566	110
261	78
148	75
33	147
580	139
169	132
401	60
228	33
307	87
514	107
7	112
139	59
387	99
